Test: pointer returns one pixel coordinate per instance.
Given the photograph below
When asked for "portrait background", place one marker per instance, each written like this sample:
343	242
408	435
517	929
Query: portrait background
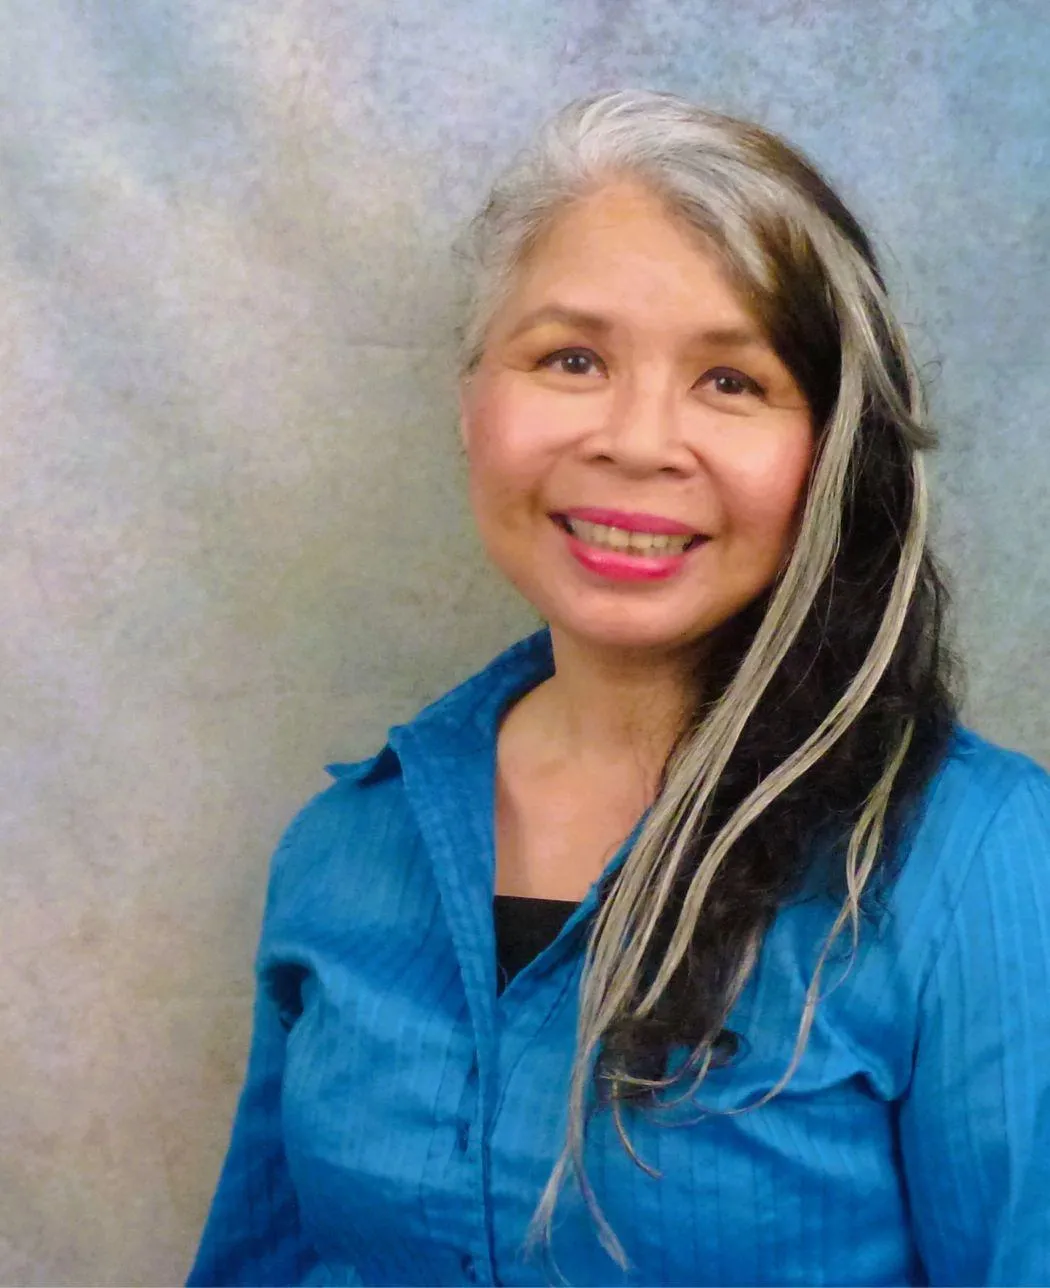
234	541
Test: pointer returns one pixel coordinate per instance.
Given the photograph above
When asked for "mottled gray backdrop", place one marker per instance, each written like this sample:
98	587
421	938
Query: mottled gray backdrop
234	544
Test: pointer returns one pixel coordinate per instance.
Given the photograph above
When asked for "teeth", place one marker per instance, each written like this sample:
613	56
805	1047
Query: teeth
634	543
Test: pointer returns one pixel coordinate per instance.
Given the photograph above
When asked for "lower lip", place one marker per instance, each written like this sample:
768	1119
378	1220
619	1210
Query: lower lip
617	566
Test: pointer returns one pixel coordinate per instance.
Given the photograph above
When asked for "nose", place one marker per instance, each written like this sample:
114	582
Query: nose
640	428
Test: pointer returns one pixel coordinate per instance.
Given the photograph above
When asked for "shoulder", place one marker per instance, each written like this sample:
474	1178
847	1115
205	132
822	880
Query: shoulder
317	850
979	776
983	822
979	792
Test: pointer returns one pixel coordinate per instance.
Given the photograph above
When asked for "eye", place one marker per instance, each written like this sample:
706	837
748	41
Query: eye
731	383
571	362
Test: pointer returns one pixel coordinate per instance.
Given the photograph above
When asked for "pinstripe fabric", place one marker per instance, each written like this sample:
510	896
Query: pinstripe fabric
398	1120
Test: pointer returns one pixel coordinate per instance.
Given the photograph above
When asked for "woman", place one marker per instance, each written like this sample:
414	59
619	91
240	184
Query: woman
692	941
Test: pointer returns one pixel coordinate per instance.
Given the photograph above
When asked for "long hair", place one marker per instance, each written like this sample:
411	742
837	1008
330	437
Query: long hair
825	706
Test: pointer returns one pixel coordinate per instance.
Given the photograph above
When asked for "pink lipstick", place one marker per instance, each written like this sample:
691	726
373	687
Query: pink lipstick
631	521
619	564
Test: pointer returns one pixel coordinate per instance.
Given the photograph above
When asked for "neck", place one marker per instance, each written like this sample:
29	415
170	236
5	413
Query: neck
607	708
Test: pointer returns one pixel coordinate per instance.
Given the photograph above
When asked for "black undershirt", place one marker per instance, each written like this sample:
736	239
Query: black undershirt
524	928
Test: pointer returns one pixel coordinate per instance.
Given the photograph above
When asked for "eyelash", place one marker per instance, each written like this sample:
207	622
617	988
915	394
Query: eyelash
717	373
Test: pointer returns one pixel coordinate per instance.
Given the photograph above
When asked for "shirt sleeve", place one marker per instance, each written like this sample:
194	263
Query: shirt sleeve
975	1125
253	1234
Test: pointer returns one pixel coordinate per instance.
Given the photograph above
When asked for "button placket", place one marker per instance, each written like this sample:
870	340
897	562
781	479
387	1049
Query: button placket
465	1123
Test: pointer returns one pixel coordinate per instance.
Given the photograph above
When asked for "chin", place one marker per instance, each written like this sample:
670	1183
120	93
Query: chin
660	620
640	630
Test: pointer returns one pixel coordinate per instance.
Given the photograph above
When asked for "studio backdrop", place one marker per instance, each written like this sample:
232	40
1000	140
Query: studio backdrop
235	544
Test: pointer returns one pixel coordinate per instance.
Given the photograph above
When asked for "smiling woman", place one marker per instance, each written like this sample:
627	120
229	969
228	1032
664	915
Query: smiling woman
622	373
692	941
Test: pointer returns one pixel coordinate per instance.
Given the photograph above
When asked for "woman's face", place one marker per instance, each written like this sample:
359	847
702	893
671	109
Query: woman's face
625	393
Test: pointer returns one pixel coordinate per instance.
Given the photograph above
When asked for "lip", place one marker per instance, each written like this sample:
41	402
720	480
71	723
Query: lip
631	521
615	565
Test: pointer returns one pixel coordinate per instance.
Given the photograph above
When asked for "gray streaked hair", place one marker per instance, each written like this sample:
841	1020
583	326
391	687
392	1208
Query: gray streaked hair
779	230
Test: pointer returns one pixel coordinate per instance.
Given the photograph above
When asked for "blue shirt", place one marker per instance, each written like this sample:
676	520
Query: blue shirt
399	1120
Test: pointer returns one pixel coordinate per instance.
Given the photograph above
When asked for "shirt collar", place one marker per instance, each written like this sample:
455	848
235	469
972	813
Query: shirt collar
468	716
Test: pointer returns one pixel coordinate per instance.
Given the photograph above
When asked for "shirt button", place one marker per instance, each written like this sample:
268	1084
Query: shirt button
467	1262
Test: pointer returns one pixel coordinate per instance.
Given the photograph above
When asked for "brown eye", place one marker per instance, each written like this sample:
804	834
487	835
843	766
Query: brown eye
732	383
572	362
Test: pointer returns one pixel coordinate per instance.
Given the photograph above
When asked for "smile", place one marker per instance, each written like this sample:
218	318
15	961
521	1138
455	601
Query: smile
620	554
625	541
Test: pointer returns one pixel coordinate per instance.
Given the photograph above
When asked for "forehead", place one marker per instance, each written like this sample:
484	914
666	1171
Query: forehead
621	247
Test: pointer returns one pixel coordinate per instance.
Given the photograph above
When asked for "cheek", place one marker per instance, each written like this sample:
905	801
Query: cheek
764	494
506	444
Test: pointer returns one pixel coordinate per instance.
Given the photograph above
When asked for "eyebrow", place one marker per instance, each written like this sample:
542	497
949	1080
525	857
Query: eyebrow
729	336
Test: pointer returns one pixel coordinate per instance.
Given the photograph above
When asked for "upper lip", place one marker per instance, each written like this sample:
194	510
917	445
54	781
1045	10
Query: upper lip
630	521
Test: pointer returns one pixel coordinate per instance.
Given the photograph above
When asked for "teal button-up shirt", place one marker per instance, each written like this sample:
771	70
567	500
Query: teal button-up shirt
399	1119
